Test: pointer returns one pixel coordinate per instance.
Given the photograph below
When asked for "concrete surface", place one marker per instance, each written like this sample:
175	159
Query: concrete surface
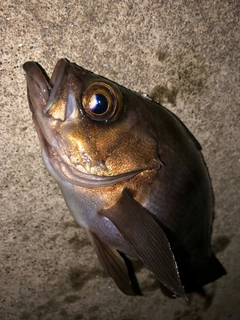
185	54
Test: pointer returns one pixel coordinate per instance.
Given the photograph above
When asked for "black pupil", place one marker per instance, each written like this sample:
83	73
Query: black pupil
98	103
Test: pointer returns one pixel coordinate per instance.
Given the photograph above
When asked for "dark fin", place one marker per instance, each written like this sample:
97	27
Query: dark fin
113	264
131	274
147	239
195	276
210	271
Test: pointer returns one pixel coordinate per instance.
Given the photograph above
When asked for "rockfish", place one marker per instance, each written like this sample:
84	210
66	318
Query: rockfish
132	176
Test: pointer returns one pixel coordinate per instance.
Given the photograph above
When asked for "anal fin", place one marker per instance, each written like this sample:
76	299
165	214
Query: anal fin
113	264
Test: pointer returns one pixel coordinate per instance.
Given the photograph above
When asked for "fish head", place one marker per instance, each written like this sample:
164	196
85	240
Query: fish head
92	131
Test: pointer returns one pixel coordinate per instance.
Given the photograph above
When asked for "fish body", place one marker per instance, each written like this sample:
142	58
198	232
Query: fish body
131	174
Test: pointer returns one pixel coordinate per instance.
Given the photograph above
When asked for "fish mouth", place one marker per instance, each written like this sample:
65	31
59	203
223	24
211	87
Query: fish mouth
42	93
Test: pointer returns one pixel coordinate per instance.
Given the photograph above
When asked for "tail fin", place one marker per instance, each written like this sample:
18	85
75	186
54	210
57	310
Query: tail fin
194	277
210	271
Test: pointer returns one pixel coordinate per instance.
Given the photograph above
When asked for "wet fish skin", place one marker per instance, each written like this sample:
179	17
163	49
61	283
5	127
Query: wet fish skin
133	177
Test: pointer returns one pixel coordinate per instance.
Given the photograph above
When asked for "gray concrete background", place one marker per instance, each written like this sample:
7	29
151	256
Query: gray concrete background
186	55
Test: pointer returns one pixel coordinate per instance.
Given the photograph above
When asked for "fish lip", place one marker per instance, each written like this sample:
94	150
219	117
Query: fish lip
60	73
38	86
38	82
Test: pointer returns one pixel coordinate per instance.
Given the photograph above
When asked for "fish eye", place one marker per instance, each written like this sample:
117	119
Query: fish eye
102	101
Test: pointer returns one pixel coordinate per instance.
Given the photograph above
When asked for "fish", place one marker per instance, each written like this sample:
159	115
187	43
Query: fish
132	176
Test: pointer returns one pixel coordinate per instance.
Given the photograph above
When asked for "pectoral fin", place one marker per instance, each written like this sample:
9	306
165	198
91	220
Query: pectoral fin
147	239
113	264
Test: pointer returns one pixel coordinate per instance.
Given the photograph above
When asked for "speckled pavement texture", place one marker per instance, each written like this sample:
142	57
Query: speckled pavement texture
184	54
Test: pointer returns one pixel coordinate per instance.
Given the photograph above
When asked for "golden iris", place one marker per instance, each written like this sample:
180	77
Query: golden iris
102	101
